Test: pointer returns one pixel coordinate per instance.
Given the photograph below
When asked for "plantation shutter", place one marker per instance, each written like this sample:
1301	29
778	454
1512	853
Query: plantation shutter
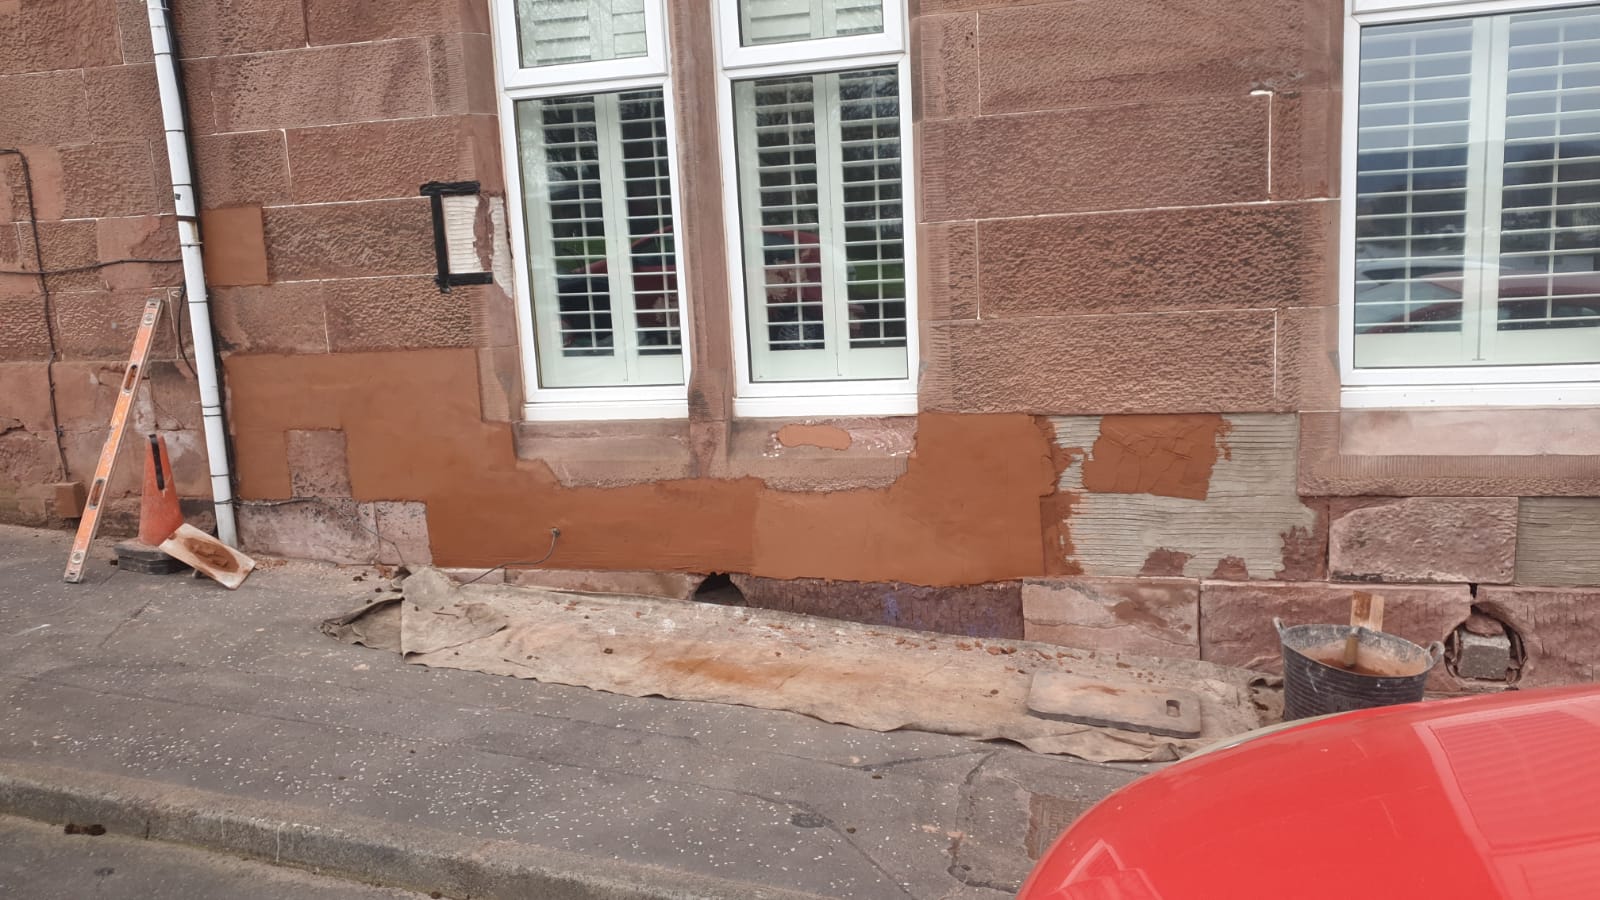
557	32
821	217
778	21
604	264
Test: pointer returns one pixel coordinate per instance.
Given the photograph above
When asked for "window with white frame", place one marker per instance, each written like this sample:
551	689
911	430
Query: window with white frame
586	91
814	145
818	204
1473	239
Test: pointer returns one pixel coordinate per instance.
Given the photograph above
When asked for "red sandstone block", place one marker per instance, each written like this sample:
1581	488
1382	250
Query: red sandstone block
169	400
226	27
385	80
99	325
389	237
1305	144
25	396
948	76
1236	617
1220	257
23	335
1308	357
242	168
1181	153
461	68
949	254
1158	363
49	108
281	318
1559	629
42	37
1470	539
133	27
1154	616
139	237
376	160
69	246
319	464
1096	53
396	314
352	21
123	103
109	178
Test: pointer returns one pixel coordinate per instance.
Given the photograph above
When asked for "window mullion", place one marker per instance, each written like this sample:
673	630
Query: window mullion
1487	295
830	222
619	243
824	18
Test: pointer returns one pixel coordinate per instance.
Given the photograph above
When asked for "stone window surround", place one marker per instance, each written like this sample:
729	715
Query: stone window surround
707	258
1486	386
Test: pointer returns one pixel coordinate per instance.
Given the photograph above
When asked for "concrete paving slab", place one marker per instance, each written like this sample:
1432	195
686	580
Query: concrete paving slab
180	686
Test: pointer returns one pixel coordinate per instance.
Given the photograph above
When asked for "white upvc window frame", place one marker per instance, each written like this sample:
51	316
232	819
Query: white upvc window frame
612	402
1441	386
735	62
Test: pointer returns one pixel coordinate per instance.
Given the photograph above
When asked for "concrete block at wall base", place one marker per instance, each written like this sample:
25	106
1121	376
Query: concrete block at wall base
1559	629
336	530
663	585
1154	616
1443	539
1236	617
980	610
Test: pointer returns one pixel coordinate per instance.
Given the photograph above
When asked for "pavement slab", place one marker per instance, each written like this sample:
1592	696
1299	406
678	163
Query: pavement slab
176	685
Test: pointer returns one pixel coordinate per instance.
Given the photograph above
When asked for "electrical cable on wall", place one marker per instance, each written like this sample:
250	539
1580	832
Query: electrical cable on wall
49	308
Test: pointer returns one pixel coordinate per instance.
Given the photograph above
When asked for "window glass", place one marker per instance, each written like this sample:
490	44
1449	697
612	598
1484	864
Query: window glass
598	202
558	32
821	219
1478	192
779	21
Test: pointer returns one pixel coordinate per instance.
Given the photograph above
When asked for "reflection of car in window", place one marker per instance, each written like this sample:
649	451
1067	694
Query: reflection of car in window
1400	295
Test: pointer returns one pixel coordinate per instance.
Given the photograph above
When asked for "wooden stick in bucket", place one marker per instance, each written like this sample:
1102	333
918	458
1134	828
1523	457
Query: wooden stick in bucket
1366	611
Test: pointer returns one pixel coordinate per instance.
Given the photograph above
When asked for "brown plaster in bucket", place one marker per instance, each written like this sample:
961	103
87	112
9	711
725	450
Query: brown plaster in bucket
1169	456
967	510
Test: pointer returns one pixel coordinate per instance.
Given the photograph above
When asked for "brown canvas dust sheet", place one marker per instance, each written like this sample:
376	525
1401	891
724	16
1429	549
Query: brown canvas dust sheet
866	676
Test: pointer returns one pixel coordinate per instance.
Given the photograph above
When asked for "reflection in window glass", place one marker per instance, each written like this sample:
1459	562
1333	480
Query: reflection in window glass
1478	194
599	208
558	32
778	21
822	218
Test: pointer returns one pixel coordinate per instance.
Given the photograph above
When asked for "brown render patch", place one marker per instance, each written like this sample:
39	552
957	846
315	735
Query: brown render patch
967	510
1055	510
824	437
1168	456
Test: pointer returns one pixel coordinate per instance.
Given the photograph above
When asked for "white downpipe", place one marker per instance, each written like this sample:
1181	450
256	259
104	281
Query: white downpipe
194	278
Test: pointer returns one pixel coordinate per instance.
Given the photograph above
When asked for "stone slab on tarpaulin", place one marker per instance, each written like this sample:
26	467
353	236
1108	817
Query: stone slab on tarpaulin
871	677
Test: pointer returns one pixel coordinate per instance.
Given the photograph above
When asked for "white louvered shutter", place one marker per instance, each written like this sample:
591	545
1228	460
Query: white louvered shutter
1478	192
560	32
822	224
779	21
598	203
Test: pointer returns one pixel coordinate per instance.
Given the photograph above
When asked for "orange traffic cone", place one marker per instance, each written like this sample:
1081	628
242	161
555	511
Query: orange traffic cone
159	515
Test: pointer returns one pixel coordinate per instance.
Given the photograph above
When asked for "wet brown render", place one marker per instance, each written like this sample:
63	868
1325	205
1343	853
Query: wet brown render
967	510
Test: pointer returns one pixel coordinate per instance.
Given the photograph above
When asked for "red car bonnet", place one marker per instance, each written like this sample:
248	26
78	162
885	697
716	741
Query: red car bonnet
1467	799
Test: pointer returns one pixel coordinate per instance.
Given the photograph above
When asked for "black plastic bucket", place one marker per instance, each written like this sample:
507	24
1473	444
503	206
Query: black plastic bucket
1389	670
